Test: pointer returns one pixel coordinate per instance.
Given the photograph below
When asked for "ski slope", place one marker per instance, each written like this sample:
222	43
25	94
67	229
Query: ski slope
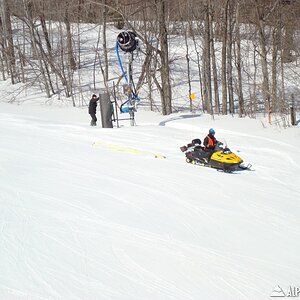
80	222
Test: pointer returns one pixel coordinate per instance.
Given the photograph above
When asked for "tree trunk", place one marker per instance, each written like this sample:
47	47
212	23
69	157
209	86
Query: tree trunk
224	55
45	32
207	58
264	62
229	58
199	70
187	56
288	43
44	59
35	48
164	57
10	52
254	98
72	62
104	45
274	70
239	63
215	74
282	92
3	58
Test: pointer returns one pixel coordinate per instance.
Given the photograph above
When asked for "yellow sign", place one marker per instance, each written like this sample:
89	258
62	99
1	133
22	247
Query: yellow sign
192	96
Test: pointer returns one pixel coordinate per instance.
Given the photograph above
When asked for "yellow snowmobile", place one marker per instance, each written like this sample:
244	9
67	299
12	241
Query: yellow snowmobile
221	158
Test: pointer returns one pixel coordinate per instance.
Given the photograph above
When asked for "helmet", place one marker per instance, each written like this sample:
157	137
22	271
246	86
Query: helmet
211	131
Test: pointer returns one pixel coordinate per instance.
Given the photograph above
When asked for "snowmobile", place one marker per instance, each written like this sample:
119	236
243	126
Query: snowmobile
221	158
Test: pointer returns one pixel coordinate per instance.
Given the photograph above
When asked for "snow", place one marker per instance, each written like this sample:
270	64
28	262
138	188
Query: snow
88	213
85	222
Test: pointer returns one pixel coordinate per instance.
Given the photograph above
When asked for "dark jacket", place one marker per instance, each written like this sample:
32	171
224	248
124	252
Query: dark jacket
210	142
93	105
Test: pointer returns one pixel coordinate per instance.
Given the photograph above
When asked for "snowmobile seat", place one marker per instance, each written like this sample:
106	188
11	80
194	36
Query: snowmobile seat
198	148
196	142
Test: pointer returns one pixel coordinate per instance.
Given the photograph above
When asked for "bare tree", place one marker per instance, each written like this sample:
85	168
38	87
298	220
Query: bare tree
224	55
239	62
198	61
207	59
104	45
264	60
3	58
8	40
230	27
215	72
166	95
275	50
186	28
31	27
72	62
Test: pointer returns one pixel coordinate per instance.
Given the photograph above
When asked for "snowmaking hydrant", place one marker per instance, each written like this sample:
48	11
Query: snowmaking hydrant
127	41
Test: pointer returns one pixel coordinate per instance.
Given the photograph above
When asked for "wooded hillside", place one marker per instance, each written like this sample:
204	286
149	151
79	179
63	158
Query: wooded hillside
243	51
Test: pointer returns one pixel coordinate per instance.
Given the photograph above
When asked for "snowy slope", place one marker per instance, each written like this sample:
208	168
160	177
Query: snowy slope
85	222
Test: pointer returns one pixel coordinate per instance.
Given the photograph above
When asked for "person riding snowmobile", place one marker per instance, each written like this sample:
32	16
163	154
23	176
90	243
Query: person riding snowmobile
210	141
213	155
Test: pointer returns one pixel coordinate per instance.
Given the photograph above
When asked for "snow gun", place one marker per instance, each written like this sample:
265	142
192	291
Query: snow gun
127	41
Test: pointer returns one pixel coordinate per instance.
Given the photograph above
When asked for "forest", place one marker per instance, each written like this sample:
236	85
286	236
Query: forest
241	56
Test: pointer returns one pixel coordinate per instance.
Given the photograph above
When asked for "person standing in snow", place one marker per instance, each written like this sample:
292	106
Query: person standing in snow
210	141
92	109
